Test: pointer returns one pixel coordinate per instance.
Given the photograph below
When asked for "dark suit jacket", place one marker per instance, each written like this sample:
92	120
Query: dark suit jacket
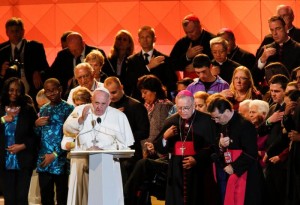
34	60
63	67
178	53
242	57
113	62
136	68
24	134
226	69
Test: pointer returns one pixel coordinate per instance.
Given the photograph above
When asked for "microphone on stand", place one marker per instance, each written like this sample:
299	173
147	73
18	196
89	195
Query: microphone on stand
98	120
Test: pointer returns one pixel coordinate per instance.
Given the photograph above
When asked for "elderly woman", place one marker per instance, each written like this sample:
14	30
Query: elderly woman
156	103
258	110
122	48
241	87
96	60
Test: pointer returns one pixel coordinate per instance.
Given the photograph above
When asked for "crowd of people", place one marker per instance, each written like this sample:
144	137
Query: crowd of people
210	123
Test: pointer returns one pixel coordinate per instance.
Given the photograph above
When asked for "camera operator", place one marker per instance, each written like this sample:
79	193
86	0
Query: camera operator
22	58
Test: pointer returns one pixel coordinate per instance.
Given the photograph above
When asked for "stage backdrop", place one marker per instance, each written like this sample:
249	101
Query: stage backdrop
99	20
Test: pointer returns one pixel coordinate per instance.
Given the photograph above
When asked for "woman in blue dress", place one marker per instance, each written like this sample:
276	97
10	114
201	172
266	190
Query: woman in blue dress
18	144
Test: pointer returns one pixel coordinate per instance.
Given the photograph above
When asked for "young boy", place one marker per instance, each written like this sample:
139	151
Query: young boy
52	164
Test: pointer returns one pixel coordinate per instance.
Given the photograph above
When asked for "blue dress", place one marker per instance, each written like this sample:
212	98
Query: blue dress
51	136
11	161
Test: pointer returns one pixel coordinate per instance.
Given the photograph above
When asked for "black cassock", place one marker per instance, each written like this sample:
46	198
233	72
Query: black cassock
197	183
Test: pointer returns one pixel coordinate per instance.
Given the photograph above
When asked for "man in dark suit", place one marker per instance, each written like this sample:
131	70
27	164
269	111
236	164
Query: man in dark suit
236	53
195	42
28	56
284	49
287	13
148	61
138	119
66	59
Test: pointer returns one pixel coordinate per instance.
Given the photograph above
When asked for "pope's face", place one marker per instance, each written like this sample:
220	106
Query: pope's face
100	102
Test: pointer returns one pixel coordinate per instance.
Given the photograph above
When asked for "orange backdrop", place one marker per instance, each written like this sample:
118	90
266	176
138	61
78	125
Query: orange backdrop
99	20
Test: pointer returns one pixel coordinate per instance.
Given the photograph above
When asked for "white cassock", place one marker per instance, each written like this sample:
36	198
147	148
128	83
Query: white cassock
112	133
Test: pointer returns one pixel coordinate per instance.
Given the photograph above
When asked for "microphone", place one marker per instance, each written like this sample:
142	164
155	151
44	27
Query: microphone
99	120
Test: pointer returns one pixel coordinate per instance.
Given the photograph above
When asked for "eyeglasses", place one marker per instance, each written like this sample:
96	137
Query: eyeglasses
49	92
240	78
184	108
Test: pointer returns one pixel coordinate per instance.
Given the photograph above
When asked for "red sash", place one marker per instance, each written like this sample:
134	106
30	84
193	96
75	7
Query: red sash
236	186
184	148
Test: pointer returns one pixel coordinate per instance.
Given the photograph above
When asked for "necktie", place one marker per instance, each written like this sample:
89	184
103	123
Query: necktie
16	54
146	55
78	60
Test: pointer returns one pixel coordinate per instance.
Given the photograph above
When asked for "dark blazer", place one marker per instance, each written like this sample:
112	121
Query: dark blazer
34	60
24	134
178	53
63	68
113	62
136	68
226	69
242	57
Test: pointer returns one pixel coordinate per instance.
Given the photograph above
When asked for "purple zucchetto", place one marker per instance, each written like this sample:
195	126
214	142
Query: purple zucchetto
185	93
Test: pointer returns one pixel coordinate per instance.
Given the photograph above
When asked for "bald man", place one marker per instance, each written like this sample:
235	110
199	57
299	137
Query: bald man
66	59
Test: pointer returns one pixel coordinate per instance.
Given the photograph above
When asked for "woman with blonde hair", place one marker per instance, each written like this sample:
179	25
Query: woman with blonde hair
122	48
241	87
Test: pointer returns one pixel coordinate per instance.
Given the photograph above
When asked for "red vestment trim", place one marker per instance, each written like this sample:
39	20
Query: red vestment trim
236	186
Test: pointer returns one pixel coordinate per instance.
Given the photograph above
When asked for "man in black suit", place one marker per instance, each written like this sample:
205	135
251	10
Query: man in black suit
29	56
236	53
284	49
287	13
66	59
138	119
148	61
195	42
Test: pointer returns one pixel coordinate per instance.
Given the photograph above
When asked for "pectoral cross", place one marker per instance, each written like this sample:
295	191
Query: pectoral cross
94	141
182	150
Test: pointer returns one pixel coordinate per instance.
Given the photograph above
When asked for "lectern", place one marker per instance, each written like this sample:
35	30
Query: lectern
102	190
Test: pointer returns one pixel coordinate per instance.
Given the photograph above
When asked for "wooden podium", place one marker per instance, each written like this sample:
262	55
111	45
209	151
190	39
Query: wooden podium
101	169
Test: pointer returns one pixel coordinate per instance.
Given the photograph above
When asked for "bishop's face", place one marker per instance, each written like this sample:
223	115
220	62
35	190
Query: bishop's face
185	107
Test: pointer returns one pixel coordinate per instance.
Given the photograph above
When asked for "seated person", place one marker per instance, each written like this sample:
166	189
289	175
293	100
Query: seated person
148	178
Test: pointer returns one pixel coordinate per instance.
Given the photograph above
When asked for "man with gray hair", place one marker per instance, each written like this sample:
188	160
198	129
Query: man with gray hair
189	136
219	50
84	74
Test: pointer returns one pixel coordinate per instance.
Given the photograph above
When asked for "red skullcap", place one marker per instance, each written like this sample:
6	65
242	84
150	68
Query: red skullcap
191	17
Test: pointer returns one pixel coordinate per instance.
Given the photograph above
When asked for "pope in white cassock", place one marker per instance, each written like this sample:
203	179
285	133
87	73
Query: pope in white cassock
93	126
